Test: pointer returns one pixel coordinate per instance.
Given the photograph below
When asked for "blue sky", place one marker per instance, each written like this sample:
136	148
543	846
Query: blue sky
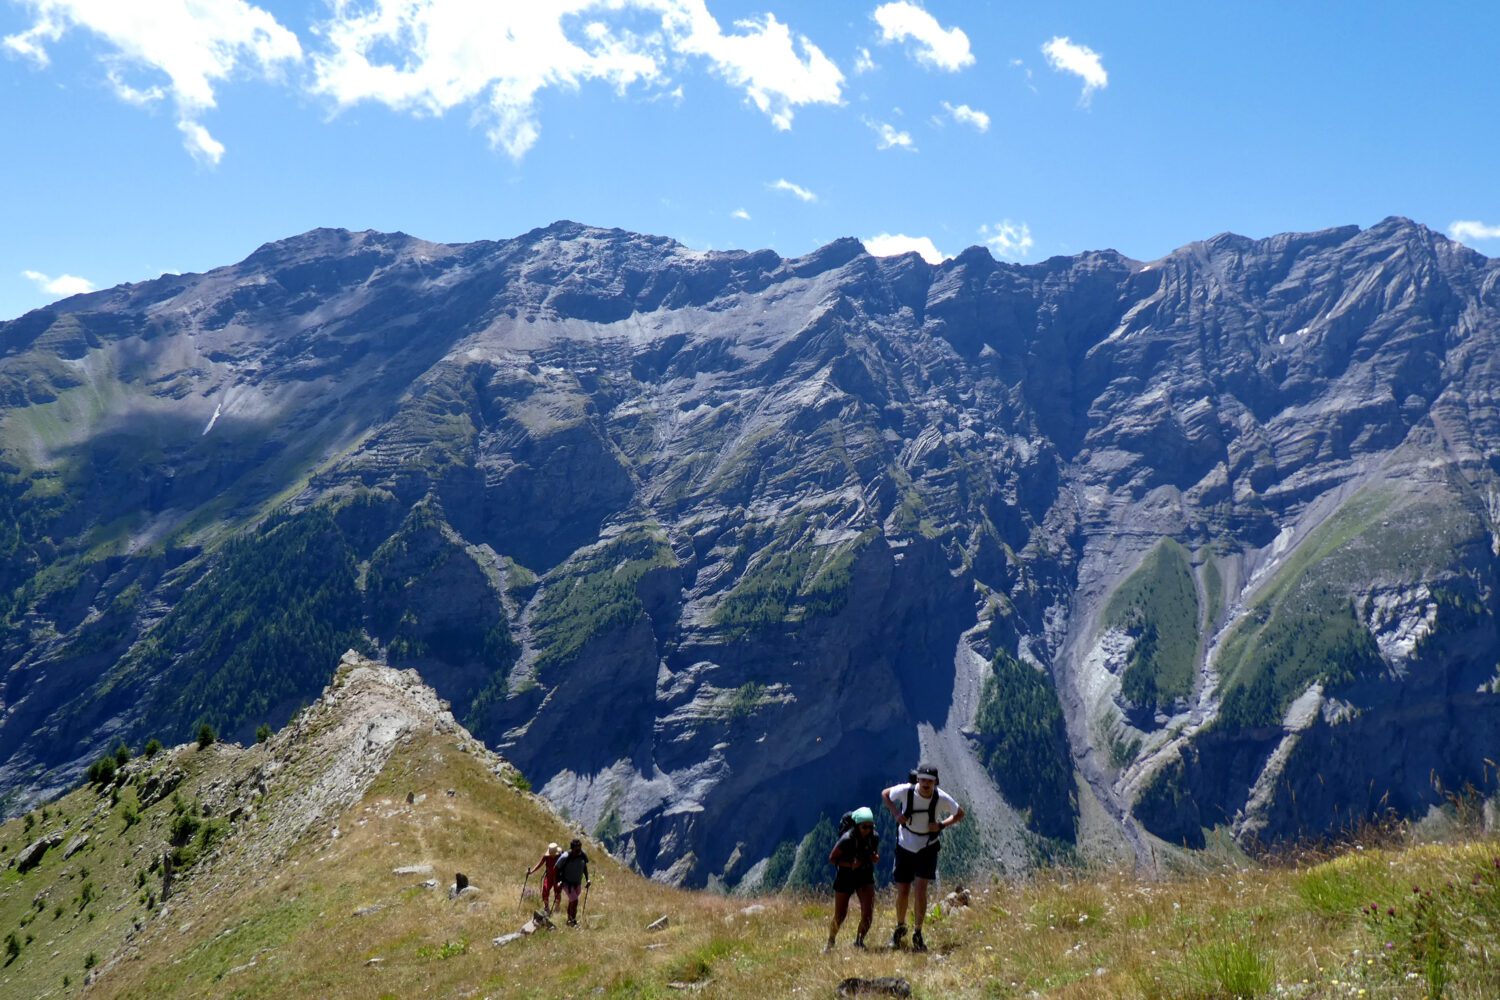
143	136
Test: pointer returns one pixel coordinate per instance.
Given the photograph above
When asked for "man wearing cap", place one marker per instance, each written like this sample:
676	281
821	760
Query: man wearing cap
923	811
573	873
855	854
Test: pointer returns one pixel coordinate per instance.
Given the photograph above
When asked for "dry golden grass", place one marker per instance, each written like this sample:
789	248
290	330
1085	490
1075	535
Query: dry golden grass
293	932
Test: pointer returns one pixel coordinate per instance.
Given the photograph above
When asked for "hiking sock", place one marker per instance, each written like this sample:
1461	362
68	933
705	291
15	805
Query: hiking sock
898	935
917	944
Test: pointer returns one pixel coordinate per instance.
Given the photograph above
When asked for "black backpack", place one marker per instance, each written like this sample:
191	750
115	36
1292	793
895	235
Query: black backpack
846	823
573	867
931	810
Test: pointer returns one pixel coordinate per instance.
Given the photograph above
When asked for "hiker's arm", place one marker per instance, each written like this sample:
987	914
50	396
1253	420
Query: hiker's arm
890	806
953	819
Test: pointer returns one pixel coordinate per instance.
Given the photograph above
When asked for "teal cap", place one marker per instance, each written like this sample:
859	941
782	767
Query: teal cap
863	815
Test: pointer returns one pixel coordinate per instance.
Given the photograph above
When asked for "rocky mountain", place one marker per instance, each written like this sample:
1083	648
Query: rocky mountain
714	545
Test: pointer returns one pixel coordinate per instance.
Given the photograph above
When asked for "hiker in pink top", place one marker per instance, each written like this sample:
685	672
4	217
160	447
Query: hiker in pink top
550	885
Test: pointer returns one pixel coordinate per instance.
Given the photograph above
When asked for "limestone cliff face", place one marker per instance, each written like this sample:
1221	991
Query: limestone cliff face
713	545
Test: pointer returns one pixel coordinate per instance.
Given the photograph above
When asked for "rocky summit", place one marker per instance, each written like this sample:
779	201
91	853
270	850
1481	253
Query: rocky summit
714	545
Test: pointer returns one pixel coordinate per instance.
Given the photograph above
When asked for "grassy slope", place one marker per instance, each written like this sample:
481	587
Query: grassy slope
291	930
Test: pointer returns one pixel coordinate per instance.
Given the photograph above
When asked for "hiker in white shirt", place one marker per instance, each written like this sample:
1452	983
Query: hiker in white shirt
922	811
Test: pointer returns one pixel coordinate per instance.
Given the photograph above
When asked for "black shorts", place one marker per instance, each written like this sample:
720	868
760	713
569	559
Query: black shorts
916	864
853	879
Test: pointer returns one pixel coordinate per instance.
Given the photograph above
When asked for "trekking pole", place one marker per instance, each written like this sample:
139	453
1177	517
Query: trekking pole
523	886
585	907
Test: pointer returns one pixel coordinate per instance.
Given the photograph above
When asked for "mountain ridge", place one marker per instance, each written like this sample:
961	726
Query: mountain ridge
777	512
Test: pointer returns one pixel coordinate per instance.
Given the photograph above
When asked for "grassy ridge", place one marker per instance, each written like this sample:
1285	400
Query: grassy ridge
314	924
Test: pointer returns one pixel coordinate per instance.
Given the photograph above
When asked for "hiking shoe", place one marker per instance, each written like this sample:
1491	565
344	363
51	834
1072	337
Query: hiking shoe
572	923
859	941
898	935
917	944
828	946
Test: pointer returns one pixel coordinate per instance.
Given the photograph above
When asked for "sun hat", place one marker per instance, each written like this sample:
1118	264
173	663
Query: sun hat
863	815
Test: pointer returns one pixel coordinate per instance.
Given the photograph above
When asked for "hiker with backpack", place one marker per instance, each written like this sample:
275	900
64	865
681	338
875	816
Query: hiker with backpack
551	889
922	811
573	874
856	854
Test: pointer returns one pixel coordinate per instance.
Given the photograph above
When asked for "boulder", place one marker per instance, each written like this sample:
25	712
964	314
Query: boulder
884	986
30	856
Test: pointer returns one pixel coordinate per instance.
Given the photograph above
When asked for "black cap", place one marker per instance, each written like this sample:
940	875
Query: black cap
576	845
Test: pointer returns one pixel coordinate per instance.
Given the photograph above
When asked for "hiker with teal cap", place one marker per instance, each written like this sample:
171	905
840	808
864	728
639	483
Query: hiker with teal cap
856	854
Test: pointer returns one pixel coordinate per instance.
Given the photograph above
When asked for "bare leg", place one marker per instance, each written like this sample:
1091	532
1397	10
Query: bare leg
840	911
901	890
866	908
919	910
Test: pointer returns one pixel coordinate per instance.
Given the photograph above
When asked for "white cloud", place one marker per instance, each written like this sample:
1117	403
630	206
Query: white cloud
196	44
864	62
204	147
1081	61
942	48
429	56
740	214
965	115
1471	230
892	244
63	284
892	137
1008	239
796	190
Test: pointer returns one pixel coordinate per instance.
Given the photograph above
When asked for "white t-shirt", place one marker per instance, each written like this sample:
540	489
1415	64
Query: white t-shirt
915	840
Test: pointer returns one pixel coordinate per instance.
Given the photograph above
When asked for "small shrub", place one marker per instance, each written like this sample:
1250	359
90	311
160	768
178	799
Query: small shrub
184	826
122	754
102	771
206	736
91	960
12	947
152	747
262	733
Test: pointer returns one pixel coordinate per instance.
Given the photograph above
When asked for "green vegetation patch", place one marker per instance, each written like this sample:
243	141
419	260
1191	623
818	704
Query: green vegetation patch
1024	745
1158	605
1303	628
594	592
261	629
789	578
